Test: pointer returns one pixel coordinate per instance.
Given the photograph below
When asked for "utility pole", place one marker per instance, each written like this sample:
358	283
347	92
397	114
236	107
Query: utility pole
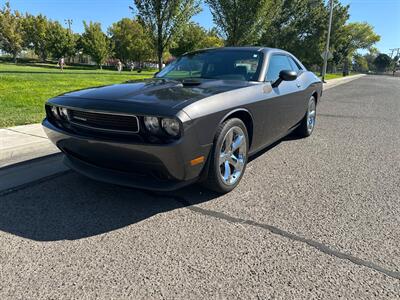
69	23
393	51
327	41
395	63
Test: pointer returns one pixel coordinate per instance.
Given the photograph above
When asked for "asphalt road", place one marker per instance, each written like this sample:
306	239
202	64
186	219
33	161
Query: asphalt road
312	218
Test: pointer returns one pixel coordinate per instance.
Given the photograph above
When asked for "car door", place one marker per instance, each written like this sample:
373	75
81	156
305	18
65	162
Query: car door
301	100
281	102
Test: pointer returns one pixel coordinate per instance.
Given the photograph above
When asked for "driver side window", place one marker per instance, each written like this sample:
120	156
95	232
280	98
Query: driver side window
277	63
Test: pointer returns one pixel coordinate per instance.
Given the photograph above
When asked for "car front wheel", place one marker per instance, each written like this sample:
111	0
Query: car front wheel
307	125
229	156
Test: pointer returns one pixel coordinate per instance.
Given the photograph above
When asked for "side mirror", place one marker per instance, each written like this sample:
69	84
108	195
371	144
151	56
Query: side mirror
285	75
155	74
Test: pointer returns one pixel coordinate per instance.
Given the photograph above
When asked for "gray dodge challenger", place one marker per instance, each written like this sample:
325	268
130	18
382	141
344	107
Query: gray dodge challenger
199	119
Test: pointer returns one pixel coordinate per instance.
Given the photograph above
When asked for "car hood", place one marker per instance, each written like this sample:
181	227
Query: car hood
154	93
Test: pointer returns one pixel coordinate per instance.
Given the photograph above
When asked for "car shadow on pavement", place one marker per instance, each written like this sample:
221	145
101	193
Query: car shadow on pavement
68	206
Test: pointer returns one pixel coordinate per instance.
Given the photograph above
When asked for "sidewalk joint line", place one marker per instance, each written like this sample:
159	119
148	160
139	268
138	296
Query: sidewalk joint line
34	135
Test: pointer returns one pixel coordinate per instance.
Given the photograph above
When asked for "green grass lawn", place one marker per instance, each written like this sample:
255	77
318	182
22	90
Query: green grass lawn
336	75
333	76
25	88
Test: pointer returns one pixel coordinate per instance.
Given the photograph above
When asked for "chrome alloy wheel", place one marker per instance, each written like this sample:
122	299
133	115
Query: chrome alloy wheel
311	114
232	156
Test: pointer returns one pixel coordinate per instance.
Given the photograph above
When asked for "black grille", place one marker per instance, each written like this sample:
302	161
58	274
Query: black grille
104	121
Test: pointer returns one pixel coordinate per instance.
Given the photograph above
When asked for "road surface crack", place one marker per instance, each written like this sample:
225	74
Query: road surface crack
275	230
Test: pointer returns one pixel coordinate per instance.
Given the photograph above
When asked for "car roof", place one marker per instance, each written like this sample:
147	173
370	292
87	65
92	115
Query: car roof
265	50
242	48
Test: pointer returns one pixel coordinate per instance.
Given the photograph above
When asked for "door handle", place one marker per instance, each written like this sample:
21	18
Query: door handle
298	85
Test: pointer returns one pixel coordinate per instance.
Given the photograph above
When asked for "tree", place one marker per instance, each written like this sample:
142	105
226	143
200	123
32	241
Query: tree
95	43
360	63
297	28
354	36
10	31
60	41
48	37
240	20
35	35
194	37
370	58
382	62
130	40
189	39
165	18
212	40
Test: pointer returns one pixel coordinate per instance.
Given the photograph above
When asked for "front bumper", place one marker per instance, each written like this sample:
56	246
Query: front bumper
148	166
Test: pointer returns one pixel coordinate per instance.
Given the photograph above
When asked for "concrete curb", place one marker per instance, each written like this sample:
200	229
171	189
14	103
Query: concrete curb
20	174
339	81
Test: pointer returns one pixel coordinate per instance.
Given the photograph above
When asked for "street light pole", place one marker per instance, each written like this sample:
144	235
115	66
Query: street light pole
69	23
327	41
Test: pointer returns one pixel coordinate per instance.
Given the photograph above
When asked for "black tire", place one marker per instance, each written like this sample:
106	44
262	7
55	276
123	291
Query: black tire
304	129
214	180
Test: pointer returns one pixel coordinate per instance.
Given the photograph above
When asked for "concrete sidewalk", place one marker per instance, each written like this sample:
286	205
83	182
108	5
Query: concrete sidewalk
21	143
26	155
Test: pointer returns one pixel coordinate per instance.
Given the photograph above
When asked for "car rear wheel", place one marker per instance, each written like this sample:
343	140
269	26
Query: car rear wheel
307	125
228	158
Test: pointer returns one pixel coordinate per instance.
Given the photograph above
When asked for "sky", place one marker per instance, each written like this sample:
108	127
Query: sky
384	15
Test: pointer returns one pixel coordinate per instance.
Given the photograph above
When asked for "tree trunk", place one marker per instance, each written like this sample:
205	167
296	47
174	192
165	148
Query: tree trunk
159	57
346	67
160	48
43	56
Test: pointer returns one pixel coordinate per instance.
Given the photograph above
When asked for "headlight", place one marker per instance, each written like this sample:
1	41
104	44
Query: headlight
152	124
54	112
171	126
63	112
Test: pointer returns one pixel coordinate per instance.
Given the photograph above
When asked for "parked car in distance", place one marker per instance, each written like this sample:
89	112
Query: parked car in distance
199	119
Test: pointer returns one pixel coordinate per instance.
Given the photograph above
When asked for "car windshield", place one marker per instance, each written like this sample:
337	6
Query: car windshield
216	64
